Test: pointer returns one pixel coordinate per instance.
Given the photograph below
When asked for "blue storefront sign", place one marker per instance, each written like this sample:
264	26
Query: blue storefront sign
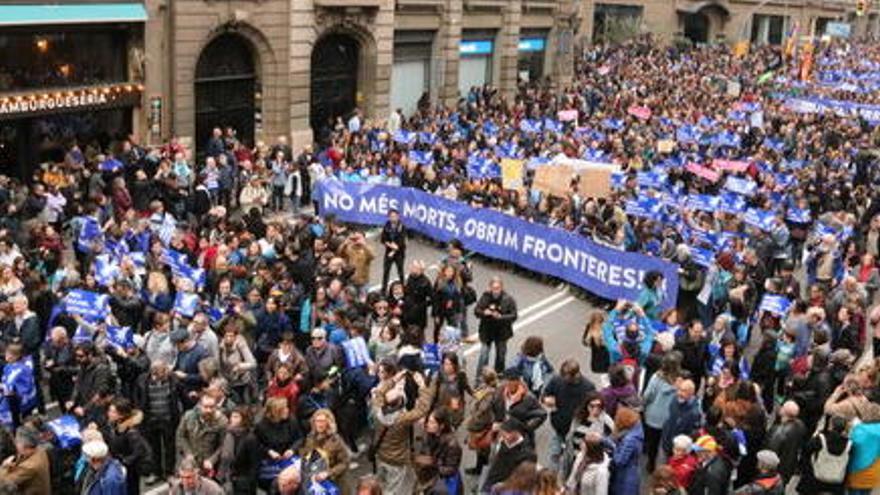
475	47
532	44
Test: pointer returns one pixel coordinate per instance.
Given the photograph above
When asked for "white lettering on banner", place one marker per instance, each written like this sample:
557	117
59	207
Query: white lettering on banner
488	232
614	275
338	200
52	102
423	214
377	204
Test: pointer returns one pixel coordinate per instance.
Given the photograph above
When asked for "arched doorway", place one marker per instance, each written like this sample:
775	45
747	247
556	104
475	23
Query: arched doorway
226	87
696	27
334	79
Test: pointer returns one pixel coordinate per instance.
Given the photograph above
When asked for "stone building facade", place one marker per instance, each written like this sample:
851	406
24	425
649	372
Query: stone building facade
758	21
272	68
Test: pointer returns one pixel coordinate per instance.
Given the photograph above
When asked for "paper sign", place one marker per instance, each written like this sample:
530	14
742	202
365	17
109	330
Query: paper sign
642	113
594	183
553	179
732	165
511	173
703	172
567	115
665	146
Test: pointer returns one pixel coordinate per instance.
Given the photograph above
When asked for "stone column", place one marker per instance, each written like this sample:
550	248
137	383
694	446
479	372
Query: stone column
448	41
302	38
507	48
379	102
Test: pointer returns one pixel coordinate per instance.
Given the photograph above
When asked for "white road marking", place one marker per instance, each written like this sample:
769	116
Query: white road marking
474	348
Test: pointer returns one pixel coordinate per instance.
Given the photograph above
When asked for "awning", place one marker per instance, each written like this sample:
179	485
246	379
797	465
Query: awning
696	7
71	13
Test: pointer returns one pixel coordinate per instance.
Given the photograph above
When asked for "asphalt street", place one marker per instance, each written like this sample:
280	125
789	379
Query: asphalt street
550	310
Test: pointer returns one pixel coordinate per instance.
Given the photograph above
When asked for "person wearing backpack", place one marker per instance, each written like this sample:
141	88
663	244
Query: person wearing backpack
824	460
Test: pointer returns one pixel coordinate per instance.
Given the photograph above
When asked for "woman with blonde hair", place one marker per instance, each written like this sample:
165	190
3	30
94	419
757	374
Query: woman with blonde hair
600	359
323	446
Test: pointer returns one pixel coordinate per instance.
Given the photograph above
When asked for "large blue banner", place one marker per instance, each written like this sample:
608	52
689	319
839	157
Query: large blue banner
607	272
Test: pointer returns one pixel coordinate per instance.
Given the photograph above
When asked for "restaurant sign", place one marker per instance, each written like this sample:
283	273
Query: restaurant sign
91	98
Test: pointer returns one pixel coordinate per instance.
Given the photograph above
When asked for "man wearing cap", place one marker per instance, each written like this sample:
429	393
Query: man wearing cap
768	481
104	474
713	472
28	470
189	355
513	450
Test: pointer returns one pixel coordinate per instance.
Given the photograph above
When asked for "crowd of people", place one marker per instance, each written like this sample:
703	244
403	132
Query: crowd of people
166	316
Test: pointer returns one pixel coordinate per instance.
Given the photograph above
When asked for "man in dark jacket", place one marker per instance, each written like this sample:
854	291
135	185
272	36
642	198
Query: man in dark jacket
94	382
712	476
787	433
496	311
156	394
768	481
189	355
694	348
685	416
563	395
513	450
394	239
416	296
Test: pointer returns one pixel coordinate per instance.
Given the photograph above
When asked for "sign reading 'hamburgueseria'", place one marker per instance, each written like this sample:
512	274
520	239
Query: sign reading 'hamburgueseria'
39	103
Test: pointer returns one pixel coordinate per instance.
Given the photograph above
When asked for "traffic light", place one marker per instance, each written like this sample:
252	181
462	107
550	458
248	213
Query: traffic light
861	7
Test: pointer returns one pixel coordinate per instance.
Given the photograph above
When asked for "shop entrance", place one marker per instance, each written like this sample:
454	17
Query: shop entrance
334	80
27	142
226	88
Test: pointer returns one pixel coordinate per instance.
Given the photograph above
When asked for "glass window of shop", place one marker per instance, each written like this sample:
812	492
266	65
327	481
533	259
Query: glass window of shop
615	23
51	57
531	51
768	29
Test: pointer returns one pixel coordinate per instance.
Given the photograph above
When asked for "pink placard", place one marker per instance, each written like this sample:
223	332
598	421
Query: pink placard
604	70
701	171
567	115
643	113
732	165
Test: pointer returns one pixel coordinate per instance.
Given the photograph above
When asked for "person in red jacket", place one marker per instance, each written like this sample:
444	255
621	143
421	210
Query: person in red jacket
284	385
683	461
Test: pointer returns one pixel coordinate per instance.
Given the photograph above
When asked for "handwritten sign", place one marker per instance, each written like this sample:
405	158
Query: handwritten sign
512	173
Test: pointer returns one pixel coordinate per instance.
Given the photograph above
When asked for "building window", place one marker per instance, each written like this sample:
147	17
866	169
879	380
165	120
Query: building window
768	29
411	70
475	65
531	49
613	22
48	57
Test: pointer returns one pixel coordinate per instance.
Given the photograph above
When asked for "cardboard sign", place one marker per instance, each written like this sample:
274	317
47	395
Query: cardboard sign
665	146
512	173
553	179
594	183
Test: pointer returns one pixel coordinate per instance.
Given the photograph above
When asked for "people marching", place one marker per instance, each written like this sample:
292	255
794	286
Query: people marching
194	322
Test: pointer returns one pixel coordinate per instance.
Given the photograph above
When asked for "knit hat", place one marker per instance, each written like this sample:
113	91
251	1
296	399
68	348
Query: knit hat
178	336
705	443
